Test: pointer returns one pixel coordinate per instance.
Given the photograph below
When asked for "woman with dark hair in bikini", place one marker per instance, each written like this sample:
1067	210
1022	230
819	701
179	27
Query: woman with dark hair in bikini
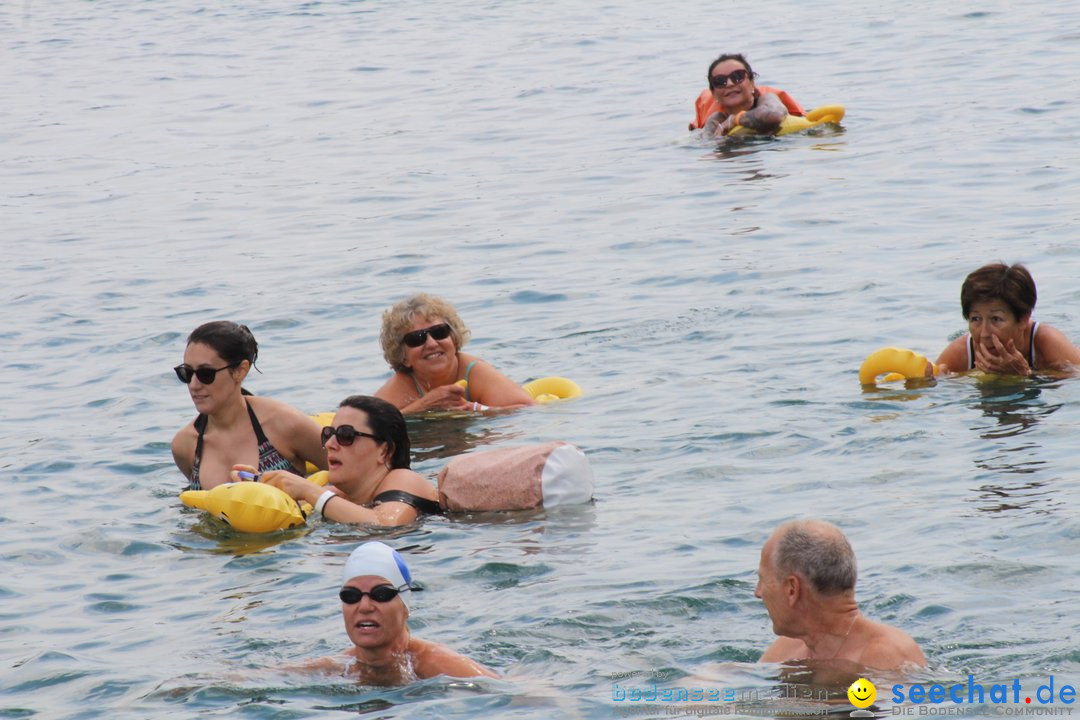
235	427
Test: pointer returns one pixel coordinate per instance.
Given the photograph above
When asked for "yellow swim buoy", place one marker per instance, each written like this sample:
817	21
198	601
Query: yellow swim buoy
795	123
247	506
898	363
324	419
549	389
252	507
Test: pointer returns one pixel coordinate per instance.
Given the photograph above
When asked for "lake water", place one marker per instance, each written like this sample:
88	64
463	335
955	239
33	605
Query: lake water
300	167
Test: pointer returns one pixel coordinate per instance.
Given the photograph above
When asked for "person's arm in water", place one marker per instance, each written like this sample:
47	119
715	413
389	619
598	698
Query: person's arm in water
183	449
487	386
431	659
342	510
953	358
765	117
400	391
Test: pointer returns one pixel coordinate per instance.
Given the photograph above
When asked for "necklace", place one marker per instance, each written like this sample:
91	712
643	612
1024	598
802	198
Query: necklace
844	639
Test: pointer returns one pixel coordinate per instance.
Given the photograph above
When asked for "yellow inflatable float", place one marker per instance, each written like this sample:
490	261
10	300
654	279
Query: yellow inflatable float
546	389
549	389
895	364
252	507
794	123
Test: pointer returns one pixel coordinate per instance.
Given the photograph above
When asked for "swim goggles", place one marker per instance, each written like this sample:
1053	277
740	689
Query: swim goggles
379	593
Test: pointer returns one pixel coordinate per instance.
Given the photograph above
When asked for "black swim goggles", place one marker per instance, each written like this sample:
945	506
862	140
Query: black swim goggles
346	435
206	375
379	593
734	77
416	338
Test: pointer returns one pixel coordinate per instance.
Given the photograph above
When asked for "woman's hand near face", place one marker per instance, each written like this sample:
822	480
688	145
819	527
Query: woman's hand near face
994	356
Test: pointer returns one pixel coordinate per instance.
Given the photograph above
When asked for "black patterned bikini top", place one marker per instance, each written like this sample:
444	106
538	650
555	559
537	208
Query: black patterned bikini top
269	457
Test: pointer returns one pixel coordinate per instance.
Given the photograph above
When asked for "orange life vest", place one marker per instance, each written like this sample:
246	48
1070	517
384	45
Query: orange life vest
706	104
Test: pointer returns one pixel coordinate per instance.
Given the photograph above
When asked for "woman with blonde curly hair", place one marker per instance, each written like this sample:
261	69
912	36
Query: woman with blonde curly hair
421	338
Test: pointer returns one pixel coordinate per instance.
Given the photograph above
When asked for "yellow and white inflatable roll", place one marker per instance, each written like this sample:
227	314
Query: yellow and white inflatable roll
895	364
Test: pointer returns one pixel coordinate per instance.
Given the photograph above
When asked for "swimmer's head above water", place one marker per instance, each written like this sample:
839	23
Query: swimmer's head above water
375	583
731	81
806	580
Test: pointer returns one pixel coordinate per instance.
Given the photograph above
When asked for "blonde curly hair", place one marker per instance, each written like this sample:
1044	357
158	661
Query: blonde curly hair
398	320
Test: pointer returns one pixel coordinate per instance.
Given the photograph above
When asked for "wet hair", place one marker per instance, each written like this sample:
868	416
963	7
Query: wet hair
398	320
387	425
823	557
234	343
1011	284
728	56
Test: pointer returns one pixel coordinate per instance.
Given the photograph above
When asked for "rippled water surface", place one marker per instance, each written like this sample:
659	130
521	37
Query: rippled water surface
300	167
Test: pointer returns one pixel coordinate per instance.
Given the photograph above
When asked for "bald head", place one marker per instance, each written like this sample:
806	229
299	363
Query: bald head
817	551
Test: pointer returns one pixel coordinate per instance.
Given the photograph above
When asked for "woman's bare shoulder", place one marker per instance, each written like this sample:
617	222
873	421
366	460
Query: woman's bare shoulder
431	659
1054	349
409	481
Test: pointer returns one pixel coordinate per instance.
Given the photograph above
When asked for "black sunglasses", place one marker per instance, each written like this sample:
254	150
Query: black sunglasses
735	77
416	338
206	375
346	435
379	593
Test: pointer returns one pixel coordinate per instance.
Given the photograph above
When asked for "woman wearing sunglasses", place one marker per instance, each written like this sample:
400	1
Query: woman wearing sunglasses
375	586
235	427
422	338
367	452
733	99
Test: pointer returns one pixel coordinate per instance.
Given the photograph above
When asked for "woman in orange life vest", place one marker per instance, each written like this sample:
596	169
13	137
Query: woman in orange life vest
732	99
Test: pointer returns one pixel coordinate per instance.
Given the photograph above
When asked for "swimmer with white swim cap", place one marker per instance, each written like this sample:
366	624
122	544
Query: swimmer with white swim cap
374	594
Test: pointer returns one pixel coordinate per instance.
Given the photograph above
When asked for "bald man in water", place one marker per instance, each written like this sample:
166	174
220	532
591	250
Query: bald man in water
807	581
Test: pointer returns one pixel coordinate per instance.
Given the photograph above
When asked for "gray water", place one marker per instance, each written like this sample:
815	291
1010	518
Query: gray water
299	168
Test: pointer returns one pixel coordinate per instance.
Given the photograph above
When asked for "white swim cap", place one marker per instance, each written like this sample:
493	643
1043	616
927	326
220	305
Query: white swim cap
380	560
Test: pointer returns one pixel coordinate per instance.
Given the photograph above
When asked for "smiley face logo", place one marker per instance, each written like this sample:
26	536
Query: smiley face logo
862	693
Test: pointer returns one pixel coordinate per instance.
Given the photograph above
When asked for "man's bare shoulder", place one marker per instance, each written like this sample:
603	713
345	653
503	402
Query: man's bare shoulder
890	648
784	649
